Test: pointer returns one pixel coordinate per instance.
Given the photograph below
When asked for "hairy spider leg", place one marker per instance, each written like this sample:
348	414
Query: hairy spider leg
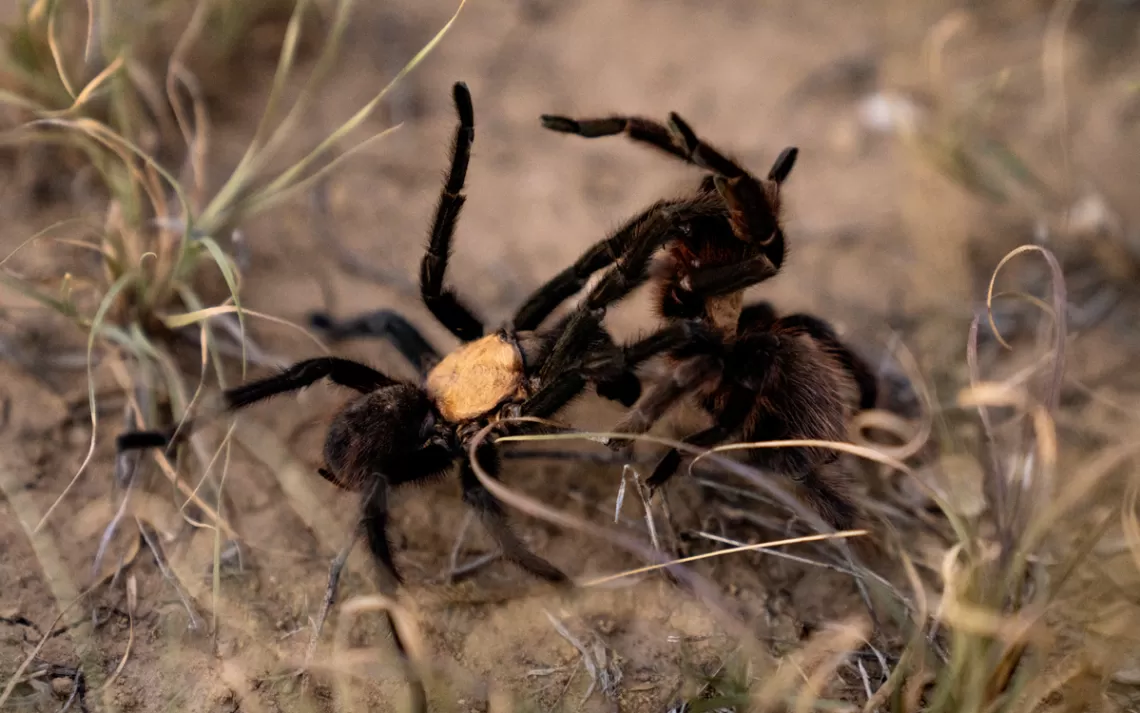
751	211
494	519
568	282
718	280
561	376
728	422
676	139
662	396
636	128
443	303
372	525
383	324
343	372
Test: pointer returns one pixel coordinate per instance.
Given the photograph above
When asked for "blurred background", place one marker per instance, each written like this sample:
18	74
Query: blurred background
935	137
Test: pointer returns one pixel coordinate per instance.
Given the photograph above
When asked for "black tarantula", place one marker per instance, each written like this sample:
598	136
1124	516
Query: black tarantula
761	376
395	432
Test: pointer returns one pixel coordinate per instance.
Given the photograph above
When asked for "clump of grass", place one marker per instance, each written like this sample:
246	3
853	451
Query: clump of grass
162	227
957	132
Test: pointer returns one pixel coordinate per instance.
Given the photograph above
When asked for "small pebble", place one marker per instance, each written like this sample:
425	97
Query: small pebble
61	686
1128	676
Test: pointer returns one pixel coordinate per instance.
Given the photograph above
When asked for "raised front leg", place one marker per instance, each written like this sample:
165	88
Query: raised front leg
444	303
602	254
641	130
753	211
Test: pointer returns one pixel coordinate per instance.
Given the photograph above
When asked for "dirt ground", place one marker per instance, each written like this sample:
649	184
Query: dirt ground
879	241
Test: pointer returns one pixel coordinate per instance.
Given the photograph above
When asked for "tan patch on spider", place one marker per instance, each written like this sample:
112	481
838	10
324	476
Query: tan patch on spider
724	312
472	380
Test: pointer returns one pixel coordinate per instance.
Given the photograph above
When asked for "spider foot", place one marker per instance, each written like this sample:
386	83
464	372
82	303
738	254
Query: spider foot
683	133
561	124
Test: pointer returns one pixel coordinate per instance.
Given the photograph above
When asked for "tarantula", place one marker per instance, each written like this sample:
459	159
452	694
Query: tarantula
395	432
763	377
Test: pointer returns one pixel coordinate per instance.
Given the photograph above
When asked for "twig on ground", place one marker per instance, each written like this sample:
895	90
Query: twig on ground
460	539
474	565
644	494
195	621
587	657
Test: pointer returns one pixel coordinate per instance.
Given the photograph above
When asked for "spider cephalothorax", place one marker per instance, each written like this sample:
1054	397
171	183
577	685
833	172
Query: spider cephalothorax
760	376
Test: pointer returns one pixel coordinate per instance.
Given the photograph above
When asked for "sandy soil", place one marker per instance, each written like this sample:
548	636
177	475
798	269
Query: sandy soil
877	236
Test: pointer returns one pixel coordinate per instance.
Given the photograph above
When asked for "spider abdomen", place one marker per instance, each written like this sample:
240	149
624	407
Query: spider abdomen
805	394
476	378
377	433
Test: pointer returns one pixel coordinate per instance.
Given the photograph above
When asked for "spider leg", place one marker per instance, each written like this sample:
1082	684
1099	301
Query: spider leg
344	372
700	153
782	166
374	523
615	373
689	296
725	279
139	440
730	419
332	587
825	490
602	254
708	157
675	334
625	387
751	210
636	128
629	273
490	512
662	397
385	324
553	396
444	303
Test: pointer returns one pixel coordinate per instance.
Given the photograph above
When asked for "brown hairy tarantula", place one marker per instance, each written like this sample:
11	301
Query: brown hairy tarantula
396	432
762	376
